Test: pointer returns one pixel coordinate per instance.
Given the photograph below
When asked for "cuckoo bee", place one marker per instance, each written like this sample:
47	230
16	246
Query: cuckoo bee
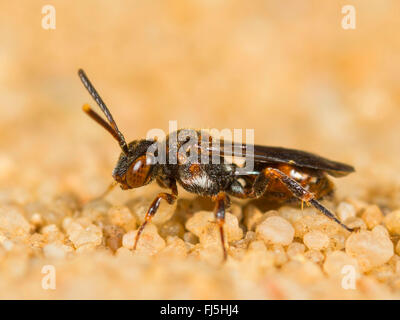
278	174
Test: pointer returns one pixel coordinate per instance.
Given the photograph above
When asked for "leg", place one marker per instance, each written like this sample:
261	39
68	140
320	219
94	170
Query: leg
221	199
170	198
107	191
261	184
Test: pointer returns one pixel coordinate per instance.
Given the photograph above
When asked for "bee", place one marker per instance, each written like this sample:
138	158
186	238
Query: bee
277	173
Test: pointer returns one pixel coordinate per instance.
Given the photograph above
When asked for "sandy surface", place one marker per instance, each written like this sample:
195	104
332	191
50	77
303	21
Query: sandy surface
291	73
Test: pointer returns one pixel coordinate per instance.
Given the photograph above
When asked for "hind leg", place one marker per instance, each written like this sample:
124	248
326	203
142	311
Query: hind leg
262	181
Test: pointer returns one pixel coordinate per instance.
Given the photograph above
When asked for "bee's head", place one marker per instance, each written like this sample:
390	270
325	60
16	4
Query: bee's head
135	167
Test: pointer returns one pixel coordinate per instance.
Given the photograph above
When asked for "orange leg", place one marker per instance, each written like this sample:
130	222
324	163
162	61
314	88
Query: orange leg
107	191
295	188
170	198
221	199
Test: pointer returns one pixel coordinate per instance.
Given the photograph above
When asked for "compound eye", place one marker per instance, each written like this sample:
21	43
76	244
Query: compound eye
138	173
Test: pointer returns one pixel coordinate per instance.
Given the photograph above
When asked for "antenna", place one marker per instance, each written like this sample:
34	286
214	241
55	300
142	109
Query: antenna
113	129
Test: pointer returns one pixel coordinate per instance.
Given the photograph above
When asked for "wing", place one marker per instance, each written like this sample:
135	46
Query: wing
264	154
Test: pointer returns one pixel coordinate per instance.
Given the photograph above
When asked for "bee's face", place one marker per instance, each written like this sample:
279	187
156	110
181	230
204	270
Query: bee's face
136	169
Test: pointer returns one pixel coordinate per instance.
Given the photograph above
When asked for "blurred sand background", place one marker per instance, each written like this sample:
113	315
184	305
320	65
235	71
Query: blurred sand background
287	70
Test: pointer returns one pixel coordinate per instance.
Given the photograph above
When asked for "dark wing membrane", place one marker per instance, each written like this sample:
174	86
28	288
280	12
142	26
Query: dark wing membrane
264	154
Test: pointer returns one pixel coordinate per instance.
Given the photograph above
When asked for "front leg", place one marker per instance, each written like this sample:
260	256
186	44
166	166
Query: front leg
261	184
169	197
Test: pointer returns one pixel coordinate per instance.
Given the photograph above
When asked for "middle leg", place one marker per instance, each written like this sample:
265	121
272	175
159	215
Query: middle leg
221	199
